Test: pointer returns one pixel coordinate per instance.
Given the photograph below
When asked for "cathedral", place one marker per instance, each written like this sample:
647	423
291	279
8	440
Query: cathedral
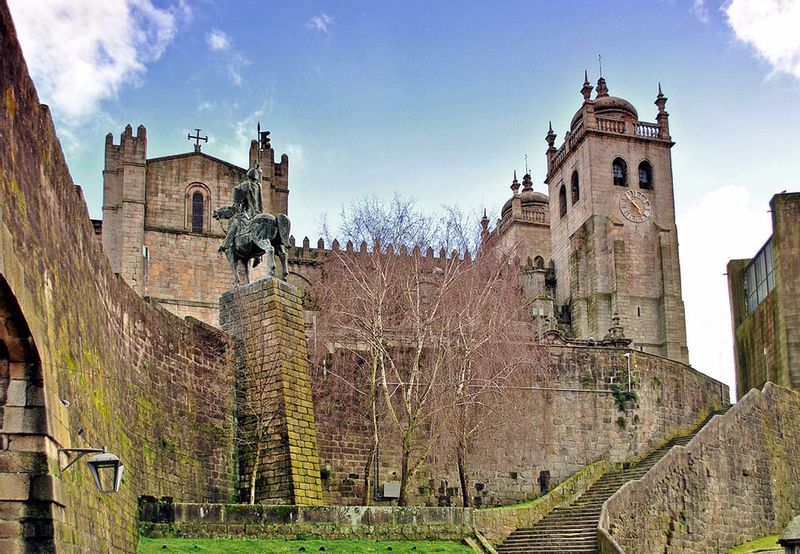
600	247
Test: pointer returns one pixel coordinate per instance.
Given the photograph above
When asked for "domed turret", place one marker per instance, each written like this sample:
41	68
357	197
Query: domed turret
607	106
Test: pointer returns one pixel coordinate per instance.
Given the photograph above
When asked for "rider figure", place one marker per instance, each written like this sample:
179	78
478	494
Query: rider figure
246	202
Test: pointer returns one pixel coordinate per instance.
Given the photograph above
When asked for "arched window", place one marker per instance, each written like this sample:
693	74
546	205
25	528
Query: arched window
198	204
576	188
562	200
645	175
620	171
538	262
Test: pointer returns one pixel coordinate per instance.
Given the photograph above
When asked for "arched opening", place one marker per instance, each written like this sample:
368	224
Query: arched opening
619	169
198	204
197	208
645	175
22	417
538	262
562	201
576	188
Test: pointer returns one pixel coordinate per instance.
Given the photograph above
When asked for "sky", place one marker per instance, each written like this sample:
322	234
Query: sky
440	101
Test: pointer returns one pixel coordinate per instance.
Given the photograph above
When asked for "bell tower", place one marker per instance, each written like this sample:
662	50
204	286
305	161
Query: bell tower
612	219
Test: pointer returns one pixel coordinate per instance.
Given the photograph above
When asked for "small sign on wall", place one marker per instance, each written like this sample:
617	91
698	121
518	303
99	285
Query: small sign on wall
391	489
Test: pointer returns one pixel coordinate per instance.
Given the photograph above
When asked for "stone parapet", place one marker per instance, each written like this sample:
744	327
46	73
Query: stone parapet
738	479
278	455
164	519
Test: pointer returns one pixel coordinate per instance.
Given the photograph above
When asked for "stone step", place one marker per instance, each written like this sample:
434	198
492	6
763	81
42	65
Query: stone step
573	529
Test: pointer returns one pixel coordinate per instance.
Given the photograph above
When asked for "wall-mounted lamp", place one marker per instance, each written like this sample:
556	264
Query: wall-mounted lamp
106	468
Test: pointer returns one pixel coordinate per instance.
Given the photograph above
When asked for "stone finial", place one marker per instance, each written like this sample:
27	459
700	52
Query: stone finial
485	221
550	137
661	100
586	90
527	183
335	245
515	184
349	247
602	89
616	334
321	244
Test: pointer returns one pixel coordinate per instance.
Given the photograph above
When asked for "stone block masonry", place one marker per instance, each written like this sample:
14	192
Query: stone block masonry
278	456
737	480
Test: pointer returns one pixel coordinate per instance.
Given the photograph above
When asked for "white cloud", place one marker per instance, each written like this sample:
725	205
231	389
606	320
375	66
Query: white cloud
81	53
771	28
320	22
700	10
218	40
724	224
206	106
234	60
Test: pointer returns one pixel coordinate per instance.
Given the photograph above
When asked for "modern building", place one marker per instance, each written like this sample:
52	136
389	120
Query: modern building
765	303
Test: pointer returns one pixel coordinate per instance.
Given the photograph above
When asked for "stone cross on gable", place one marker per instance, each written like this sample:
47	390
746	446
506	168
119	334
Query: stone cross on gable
197	138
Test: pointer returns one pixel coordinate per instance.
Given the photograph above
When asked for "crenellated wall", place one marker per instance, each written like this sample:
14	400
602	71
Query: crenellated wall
571	420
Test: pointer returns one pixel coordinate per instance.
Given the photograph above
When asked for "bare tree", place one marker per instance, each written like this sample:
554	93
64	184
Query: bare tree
432	331
490	356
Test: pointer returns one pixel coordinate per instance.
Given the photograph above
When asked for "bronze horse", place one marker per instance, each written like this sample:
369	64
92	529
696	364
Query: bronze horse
264	234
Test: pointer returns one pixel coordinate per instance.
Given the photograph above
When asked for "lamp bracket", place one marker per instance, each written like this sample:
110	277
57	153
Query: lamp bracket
81	452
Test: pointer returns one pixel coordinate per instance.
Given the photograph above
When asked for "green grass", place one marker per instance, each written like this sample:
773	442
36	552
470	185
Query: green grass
220	546
765	542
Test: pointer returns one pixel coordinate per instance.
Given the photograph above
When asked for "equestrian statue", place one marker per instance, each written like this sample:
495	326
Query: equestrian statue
252	233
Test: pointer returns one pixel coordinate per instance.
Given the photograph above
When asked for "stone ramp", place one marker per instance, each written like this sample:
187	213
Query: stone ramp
573	528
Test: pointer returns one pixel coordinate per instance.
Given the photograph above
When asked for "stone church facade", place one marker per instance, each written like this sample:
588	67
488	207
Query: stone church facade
600	248
157	226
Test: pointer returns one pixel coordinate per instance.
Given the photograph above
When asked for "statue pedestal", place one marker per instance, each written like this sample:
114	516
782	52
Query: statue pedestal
275	411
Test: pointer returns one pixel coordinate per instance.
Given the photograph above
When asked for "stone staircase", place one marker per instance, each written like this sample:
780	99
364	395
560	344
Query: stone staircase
573	528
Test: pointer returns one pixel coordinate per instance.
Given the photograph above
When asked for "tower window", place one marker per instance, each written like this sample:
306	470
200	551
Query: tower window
198	203
576	187
645	176
562	201
620	171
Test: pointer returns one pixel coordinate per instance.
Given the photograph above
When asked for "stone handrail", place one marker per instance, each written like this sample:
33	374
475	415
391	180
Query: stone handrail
611	125
649	130
641	129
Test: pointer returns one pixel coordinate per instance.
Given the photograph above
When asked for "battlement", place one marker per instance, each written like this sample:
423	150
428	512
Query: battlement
131	148
304	253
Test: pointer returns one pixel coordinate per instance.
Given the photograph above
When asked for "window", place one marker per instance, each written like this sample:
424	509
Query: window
759	278
576	188
562	200
645	176
620	171
538	262
198	203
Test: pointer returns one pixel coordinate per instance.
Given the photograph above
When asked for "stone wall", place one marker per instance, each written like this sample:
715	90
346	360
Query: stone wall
737	480
163	519
104	367
277	444
571	421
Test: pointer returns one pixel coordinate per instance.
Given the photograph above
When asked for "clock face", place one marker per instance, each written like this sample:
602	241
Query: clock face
635	206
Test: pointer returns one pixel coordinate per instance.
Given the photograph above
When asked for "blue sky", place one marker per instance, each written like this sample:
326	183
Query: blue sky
440	101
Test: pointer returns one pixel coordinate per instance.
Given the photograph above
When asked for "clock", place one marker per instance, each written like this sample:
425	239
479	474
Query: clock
635	206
